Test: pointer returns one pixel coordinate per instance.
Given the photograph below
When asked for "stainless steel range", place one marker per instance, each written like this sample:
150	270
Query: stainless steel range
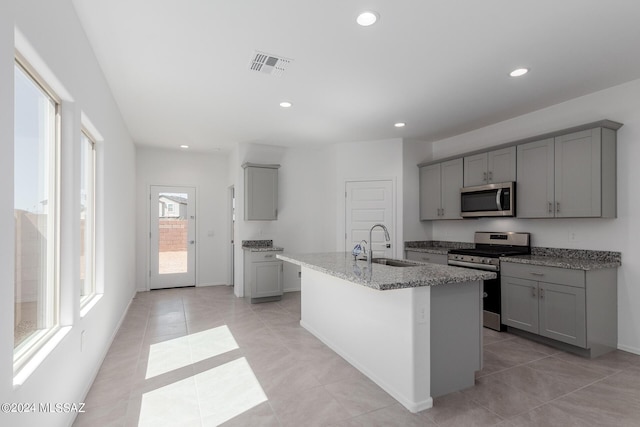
489	247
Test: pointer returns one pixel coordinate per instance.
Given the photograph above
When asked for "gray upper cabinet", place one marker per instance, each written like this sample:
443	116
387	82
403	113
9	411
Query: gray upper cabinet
491	167
585	174
260	192
440	185
535	183
572	176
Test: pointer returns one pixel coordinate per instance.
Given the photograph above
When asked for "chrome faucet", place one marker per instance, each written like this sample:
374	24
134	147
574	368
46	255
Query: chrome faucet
386	236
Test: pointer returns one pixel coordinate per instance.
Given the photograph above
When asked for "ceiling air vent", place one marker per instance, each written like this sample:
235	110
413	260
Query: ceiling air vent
269	64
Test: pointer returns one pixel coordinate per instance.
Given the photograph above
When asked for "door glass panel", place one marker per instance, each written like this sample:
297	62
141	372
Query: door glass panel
172	233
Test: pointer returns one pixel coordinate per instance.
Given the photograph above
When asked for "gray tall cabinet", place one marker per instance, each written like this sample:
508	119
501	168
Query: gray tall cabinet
572	176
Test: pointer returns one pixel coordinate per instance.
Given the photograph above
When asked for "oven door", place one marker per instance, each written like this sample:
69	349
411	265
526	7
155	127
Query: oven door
491	304
488	200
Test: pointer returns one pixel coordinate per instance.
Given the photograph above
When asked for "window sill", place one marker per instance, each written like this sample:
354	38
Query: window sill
86	304
34	362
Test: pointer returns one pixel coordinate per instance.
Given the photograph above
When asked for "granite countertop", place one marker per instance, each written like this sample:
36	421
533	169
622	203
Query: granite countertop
384	277
433	250
262	249
575	259
260	246
435	246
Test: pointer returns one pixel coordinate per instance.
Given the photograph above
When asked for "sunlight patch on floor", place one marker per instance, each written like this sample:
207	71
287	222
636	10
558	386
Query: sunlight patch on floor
213	396
179	352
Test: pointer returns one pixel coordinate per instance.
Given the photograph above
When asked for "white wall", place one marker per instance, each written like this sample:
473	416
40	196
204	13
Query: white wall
306	204
620	103
361	161
6	209
51	38
208	173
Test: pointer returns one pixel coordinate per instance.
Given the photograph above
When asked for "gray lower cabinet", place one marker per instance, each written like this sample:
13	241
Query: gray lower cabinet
440	185
426	257
575	307
570	176
263	276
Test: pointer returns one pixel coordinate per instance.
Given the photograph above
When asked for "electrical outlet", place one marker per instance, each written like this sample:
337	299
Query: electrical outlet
422	314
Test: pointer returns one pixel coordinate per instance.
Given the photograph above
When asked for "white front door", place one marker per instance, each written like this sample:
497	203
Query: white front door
368	203
172	245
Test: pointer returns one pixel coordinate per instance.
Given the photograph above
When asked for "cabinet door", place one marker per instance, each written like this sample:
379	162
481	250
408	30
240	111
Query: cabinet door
452	182
520	303
430	192
475	170
426	257
578	174
535	183
562	313
501	165
261	193
267	279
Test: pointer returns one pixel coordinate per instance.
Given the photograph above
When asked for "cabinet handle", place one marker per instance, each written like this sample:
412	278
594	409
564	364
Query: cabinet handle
490	175
268	256
533	291
484	176
541	293
557	206
424	258
442	210
536	274
550	207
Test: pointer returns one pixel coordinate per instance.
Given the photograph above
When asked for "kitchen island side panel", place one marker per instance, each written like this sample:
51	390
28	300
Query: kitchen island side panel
384	334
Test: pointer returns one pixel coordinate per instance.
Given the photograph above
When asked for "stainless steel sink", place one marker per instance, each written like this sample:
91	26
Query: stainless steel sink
394	262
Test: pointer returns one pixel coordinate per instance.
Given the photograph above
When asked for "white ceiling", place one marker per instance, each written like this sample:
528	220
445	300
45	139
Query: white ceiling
179	69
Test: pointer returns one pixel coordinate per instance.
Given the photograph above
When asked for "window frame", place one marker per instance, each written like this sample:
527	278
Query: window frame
27	349
85	299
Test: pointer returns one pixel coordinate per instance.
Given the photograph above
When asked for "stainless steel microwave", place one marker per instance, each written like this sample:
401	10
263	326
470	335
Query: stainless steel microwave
488	200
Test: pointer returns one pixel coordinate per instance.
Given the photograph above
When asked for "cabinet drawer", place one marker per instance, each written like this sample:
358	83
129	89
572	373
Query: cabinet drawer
427	257
264	256
563	276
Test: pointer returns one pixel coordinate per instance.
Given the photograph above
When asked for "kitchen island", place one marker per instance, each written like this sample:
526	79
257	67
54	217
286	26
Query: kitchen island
416	331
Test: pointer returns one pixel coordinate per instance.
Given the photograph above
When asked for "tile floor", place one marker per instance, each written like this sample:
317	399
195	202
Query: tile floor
200	357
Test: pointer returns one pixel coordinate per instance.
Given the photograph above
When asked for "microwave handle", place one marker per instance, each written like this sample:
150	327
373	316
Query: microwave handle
499	199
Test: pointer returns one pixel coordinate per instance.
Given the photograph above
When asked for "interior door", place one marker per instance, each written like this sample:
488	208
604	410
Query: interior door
368	203
172	237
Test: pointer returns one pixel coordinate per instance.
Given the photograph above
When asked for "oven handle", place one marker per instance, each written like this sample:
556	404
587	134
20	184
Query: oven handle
474	265
499	199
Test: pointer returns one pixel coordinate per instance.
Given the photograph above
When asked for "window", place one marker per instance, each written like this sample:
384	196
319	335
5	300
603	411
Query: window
35	212
87	217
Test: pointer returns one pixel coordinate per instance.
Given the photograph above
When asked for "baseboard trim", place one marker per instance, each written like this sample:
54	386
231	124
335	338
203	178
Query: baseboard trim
629	349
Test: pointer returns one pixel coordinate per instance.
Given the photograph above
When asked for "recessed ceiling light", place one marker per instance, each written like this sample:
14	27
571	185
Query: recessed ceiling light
367	18
184	146
400	124
285	104
519	72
